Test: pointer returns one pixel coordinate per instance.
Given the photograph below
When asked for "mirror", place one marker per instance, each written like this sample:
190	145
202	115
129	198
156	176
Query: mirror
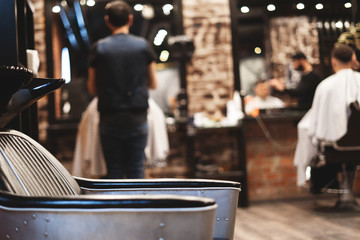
267	34
73	26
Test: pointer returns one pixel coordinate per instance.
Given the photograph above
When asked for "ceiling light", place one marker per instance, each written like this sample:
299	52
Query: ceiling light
346	24
244	9
148	11
56	9
327	25
138	7
319	6
271	7
339	24
257	50
160	36
90	3
300	6
164	55
348	5
167	9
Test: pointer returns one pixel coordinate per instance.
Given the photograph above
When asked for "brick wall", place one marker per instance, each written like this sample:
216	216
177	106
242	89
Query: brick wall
40	46
210	74
270	168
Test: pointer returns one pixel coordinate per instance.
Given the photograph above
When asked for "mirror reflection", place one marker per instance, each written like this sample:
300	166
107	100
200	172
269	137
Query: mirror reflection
268	37
76	25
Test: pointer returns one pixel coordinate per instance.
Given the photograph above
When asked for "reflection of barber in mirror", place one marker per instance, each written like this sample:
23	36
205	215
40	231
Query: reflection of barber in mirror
305	90
262	99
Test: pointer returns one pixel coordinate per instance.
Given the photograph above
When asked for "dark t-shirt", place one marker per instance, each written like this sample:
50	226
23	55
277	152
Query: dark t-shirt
305	90
121	63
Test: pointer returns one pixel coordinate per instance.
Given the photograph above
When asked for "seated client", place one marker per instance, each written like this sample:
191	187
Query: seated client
328	116
263	99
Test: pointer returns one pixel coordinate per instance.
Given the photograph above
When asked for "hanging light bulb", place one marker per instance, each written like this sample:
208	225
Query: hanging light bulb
300	6
245	9
271	7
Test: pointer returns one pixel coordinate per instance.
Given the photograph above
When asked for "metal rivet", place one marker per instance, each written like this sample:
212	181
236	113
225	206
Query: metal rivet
226	219
162	224
46	234
161	238
33	216
25	222
47	219
7	236
217	219
16	229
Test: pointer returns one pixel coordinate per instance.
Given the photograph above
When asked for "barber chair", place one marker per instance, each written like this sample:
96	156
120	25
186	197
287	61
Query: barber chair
39	199
225	194
344	153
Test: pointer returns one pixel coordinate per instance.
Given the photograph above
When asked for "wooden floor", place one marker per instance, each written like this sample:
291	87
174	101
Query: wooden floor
296	220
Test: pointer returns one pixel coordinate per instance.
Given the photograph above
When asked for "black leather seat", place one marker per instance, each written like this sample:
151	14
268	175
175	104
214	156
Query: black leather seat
344	153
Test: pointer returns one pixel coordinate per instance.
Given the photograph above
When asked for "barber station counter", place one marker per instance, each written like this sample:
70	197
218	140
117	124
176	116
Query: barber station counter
270	146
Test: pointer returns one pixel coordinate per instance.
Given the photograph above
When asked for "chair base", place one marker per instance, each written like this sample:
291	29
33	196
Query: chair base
344	206
339	207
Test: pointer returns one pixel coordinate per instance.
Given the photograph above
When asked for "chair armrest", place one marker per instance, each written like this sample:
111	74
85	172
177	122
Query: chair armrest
336	146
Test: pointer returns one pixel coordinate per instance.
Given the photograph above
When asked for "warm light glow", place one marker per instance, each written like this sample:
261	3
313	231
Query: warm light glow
271	7
90	3
82	2
167	9
138	7
160	36
347	24
348	5
319	6
67	107
339	24
333	25
164	55
56	9
244	9
300	6
320	25
257	50
327	25
148	11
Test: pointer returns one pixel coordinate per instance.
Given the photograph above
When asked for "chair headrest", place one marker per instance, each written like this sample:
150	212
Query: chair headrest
19	89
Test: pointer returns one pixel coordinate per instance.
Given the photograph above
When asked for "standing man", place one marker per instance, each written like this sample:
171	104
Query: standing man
305	90
122	68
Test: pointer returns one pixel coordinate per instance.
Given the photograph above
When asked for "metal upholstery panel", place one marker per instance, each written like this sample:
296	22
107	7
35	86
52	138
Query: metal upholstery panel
26	163
225	194
108	224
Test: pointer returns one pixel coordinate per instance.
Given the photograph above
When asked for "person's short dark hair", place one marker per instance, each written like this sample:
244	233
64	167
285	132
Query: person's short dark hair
260	81
118	13
298	55
342	53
